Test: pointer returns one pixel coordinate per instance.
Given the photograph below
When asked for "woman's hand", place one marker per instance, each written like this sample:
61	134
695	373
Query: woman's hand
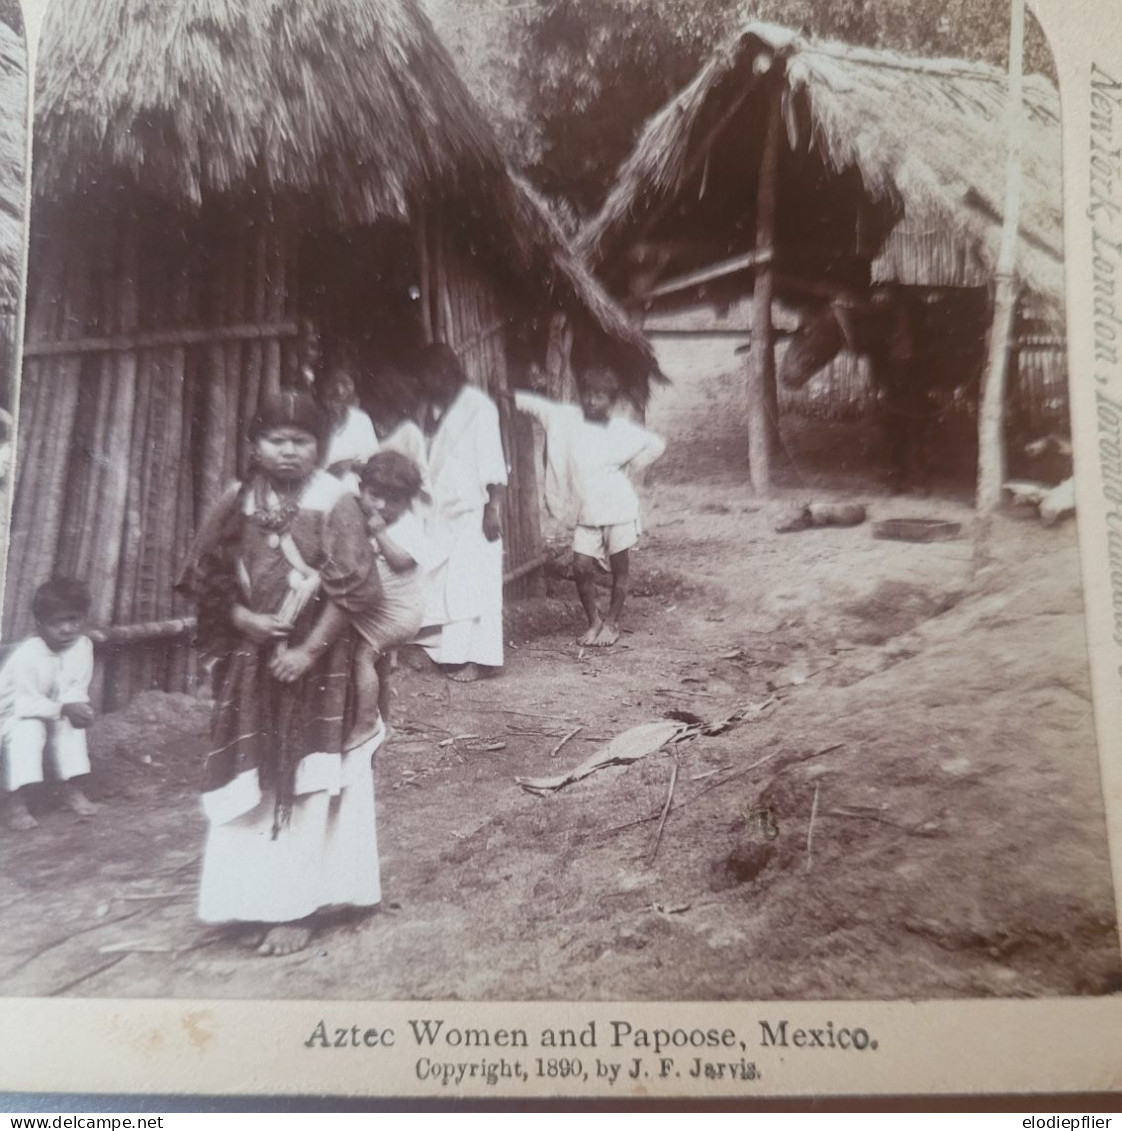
375	523
492	522
261	628
291	664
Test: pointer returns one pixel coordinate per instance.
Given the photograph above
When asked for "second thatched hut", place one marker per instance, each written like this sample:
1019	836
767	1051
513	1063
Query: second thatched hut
823	178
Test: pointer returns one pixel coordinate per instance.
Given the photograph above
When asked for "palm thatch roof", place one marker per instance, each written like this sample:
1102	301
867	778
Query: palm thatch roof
347	111
924	137
13	147
353	101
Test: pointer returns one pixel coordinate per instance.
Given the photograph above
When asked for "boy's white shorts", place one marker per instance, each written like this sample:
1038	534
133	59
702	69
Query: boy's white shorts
600	542
36	750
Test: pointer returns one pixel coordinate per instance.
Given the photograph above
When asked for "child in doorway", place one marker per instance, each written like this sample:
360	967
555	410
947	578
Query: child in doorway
390	484
589	452
45	703
353	439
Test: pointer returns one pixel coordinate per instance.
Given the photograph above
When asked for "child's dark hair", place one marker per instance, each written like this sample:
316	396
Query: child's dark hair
591	359
60	595
392	476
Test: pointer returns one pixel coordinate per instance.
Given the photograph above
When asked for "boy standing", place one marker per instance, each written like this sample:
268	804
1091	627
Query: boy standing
588	455
44	702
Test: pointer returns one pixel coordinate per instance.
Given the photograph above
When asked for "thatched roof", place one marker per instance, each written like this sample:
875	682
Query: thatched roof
353	101
925	137
13	147
350	111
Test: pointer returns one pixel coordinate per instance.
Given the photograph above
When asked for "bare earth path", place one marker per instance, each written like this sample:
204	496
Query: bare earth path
938	729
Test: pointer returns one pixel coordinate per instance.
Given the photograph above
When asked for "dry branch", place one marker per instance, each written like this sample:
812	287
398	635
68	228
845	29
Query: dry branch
666	807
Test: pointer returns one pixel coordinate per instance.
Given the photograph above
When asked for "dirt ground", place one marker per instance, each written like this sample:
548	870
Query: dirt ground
915	813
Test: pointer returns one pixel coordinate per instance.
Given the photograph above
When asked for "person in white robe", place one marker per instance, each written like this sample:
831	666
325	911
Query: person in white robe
467	476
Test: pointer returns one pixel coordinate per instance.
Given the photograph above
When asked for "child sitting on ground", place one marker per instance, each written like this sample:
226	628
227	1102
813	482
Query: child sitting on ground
589	452
390	484
45	703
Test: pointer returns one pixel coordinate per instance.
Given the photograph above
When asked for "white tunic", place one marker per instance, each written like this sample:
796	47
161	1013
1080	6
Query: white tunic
355	439
587	463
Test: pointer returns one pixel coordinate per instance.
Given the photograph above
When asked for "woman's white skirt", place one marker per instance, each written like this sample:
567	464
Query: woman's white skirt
327	855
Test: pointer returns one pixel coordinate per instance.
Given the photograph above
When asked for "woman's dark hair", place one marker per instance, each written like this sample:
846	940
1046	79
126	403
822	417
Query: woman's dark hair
291	409
60	595
392	476
438	362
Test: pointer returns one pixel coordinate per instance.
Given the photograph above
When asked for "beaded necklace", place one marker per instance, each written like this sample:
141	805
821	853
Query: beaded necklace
277	518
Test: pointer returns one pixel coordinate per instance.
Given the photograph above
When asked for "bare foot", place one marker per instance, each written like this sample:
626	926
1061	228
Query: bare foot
607	635
593	631
77	802
19	819
464	673
287	938
416	659
249	936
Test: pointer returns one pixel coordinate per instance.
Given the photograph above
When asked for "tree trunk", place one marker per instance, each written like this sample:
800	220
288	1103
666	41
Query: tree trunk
762	395
991	417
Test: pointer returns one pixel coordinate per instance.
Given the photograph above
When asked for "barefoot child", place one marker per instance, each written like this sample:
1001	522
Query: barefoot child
390	484
588	455
44	703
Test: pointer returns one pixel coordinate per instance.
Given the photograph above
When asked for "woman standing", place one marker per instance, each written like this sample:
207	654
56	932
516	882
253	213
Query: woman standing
468	476
286	582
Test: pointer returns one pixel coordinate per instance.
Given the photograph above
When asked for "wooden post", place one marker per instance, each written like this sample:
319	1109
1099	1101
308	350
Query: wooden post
991	418
761	355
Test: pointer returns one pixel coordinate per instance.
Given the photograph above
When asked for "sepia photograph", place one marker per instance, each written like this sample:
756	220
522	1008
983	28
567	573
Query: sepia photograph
553	502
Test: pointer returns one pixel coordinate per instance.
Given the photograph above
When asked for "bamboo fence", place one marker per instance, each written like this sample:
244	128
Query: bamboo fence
137	389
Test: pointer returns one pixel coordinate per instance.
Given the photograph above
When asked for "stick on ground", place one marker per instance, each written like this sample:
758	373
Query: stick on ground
666	807
572	734
810	828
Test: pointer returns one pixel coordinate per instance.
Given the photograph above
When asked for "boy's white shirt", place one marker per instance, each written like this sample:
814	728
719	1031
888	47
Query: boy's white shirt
36	683
586	479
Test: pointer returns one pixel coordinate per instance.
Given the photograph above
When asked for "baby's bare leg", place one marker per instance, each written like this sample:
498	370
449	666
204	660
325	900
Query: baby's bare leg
368	687
621	583
584	574
382	668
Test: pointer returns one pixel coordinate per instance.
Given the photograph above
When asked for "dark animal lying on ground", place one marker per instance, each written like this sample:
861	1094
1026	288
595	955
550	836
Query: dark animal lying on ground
823	514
